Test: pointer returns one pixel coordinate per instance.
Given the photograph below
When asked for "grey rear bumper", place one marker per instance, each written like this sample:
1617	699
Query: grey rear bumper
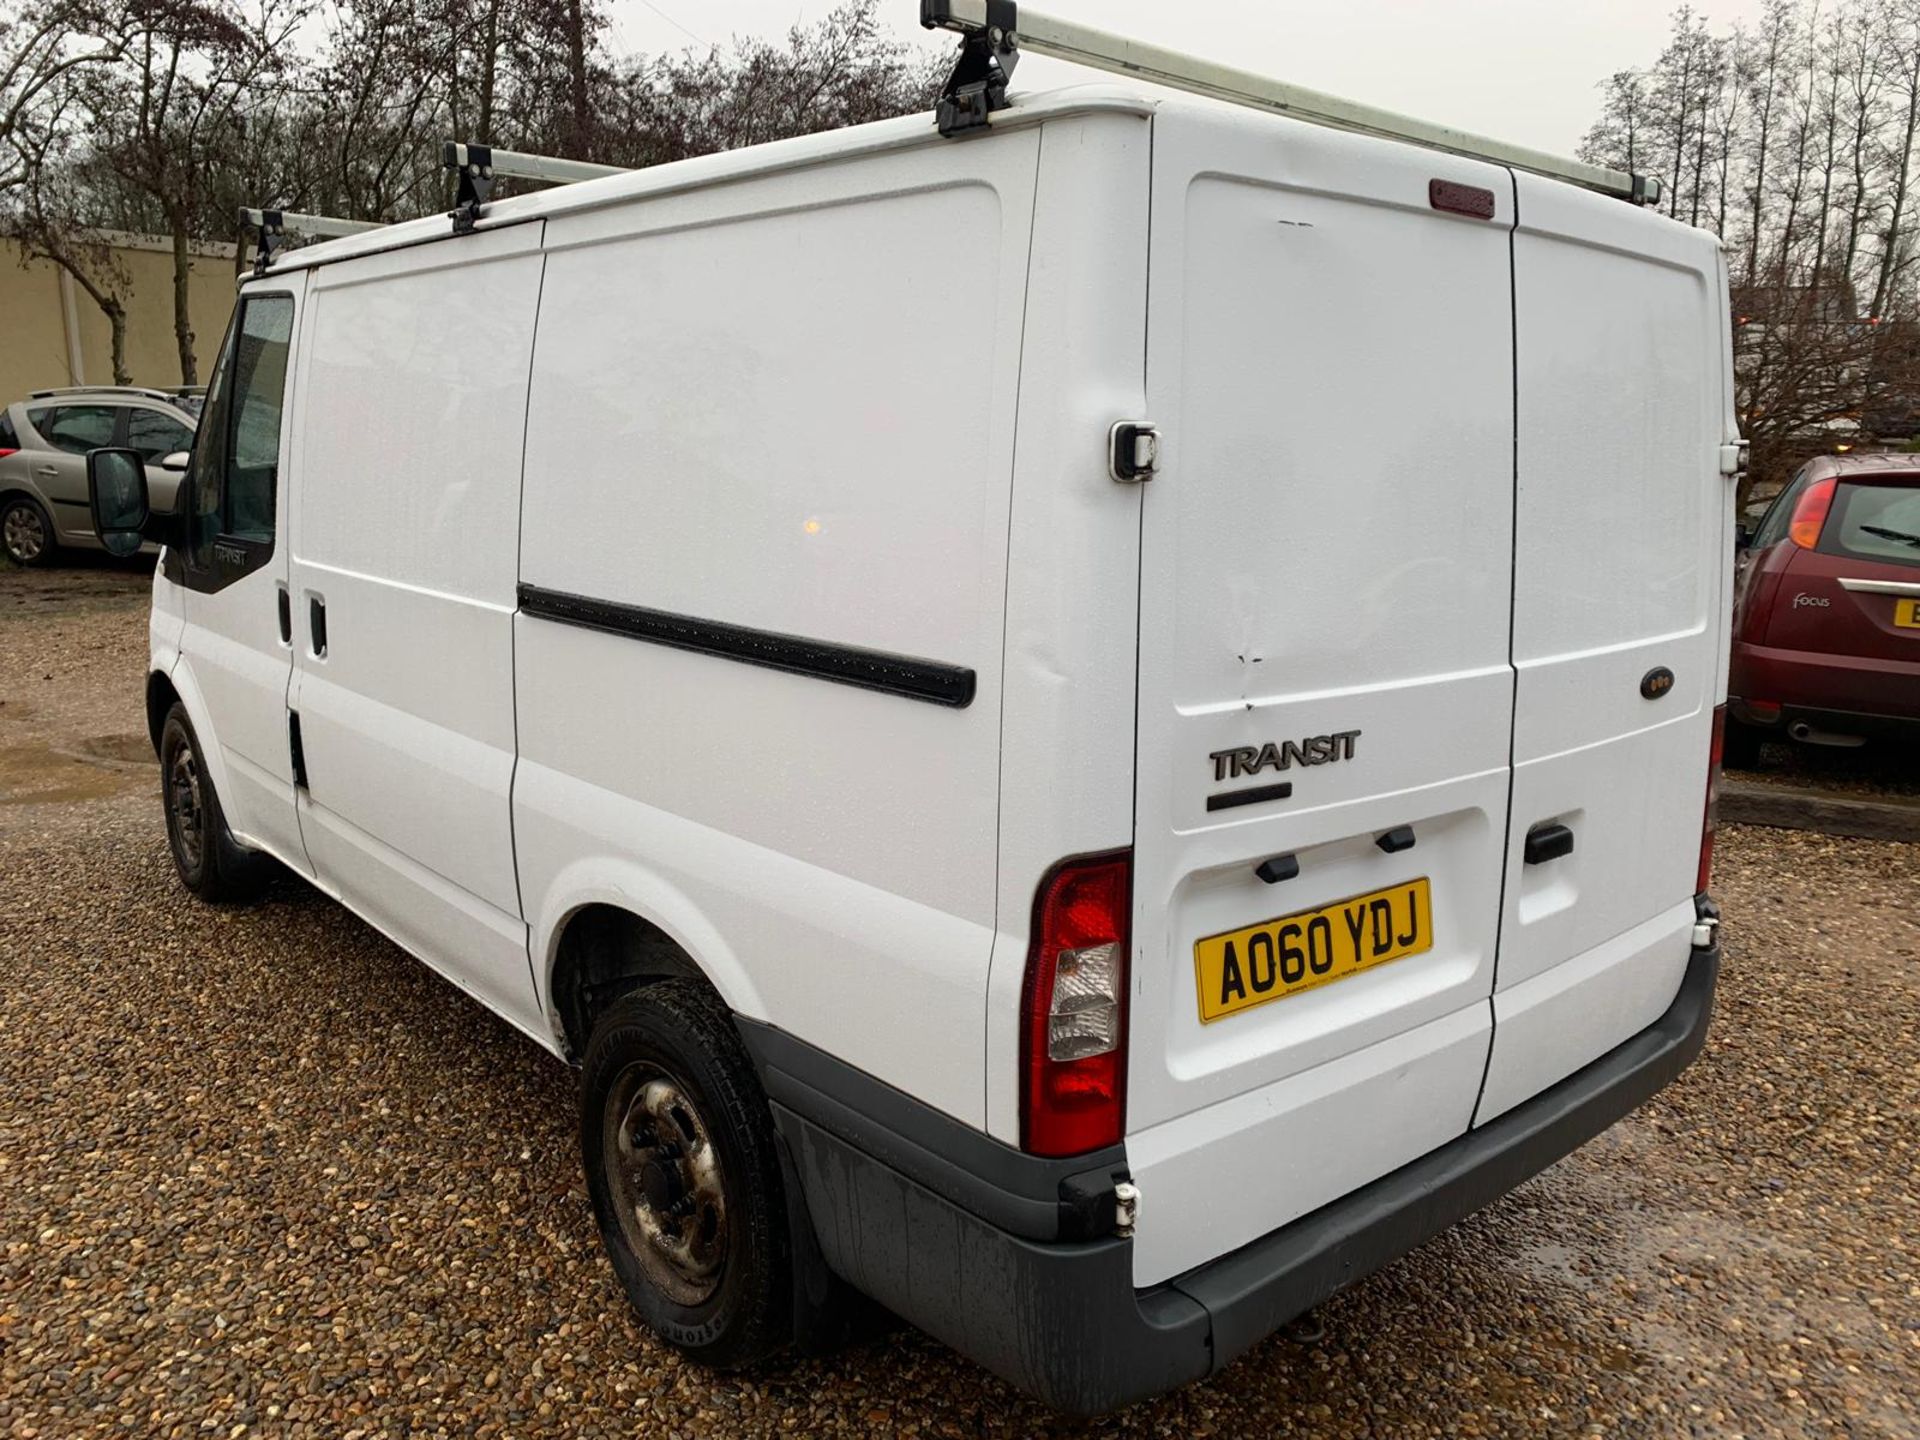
1061	1319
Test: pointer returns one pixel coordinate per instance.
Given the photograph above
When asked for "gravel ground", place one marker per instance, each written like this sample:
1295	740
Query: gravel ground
262	1174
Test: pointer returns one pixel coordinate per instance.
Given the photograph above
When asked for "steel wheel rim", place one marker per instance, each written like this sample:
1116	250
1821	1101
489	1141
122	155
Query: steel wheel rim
667	1184
25	536
185	809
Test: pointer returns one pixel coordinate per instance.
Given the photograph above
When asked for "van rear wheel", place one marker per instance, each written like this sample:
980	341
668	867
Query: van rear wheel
678	1145
211	863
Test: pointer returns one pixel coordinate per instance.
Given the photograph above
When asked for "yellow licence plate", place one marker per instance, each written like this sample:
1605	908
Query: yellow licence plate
1907	613
1276	958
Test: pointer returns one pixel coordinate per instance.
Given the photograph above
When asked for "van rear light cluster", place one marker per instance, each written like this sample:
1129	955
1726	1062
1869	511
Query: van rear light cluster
1073	1045
1704	878
1810	514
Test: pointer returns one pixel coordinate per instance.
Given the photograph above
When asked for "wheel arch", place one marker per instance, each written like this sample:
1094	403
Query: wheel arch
184	690
623	930
161	698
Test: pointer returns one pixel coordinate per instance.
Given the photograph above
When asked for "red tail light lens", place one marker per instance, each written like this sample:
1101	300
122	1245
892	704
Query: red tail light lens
1705	877
4	452
1810	514
1073	1049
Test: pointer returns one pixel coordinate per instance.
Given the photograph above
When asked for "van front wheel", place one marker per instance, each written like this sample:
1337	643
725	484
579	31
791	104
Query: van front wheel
211	863
678	1145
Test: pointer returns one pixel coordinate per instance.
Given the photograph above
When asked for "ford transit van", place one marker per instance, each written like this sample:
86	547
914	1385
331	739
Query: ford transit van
1062	721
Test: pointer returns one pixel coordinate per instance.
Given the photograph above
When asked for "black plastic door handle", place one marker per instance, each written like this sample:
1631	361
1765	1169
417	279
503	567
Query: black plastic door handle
1547	842
286	617
317	626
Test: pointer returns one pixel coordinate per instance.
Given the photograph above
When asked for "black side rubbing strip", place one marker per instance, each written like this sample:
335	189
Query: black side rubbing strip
1232	799
901	675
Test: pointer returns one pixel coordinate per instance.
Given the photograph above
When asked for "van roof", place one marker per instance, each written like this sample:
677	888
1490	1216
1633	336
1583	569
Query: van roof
900	133
903	132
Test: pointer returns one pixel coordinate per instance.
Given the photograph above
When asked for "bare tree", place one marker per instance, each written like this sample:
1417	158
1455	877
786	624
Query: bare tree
1795	144
177	103
49	216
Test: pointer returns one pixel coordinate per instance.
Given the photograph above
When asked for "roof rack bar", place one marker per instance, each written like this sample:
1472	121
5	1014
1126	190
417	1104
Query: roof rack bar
997	31
273	226
147	391
479	165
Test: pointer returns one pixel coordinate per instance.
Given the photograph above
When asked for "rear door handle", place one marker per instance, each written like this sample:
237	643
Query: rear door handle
48	470
286	615
1547	842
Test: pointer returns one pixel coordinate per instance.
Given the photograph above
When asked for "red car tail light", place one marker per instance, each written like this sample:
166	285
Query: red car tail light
1704	878
4	452
1073	1058
1810	514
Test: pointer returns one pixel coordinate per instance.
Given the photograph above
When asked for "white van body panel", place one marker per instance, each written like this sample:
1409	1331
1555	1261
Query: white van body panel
233	670
1622	563
849	834
1327	550
1074	566
405	530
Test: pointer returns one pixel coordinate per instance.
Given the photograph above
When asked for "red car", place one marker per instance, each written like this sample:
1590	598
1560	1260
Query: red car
1826	610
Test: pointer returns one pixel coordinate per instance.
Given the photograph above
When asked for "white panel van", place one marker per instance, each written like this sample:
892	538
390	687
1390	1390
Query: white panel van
1060	721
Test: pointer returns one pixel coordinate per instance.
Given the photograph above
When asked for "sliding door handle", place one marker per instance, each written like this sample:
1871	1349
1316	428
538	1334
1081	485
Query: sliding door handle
317	626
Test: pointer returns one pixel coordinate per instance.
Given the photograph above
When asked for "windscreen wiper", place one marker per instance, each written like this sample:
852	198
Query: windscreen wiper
1885	534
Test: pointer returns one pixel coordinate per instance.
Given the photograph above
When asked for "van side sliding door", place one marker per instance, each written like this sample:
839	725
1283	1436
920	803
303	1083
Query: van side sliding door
404	559
235	654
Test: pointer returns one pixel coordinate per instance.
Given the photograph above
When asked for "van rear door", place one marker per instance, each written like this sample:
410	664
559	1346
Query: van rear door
1622	575
1324	677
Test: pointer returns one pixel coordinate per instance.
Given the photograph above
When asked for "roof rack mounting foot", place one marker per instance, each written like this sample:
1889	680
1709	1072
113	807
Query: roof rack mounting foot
274	226
989	49
474	165
266	224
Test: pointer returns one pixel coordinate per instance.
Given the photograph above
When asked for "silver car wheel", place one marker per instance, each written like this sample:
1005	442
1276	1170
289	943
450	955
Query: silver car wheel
24	533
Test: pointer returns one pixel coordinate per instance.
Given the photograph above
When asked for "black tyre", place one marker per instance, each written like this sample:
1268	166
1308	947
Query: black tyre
1741	748
679	1151
212	864
26	534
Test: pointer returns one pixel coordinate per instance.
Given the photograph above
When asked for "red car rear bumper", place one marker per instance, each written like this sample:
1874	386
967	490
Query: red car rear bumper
1838	692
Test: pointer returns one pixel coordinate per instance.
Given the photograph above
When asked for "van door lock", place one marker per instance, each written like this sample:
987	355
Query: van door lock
1133	451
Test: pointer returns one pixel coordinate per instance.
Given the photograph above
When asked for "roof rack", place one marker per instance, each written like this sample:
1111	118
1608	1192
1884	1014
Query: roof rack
996	31
145	392
275	225
478	165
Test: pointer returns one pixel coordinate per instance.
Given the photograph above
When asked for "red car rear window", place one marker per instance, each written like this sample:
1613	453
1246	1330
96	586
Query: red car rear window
1875	522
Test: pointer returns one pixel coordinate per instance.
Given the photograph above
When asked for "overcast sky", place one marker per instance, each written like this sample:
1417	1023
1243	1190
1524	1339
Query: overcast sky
1519	70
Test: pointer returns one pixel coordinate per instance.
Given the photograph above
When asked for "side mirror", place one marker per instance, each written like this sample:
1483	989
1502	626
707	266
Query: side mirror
117	494
176	462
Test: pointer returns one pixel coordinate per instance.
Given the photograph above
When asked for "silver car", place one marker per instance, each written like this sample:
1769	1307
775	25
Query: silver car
44	442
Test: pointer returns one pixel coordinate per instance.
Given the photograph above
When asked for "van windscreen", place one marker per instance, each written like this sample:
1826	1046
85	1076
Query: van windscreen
1875	522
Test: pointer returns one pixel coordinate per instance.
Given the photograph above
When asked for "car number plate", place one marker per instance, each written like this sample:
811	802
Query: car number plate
1907	613
1276	958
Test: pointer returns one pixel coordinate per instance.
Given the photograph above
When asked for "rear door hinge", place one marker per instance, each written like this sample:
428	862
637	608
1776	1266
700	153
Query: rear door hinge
1133	451
1733	458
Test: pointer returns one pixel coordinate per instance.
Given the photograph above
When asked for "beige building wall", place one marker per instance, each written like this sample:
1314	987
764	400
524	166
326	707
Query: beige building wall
52	334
